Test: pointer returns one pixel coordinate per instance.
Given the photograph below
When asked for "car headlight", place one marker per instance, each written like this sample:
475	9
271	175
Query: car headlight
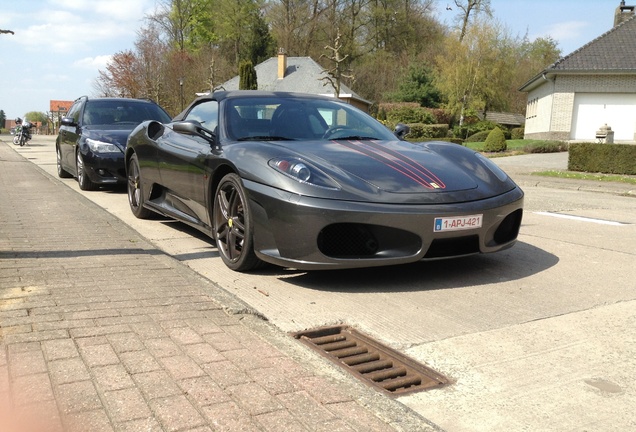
102	147
303	172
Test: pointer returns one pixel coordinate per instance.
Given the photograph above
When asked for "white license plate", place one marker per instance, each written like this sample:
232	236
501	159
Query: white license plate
458	223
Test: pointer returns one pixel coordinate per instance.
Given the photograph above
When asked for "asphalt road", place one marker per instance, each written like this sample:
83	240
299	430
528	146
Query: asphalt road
538	337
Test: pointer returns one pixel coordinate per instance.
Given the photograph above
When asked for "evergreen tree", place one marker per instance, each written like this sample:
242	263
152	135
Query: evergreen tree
247	76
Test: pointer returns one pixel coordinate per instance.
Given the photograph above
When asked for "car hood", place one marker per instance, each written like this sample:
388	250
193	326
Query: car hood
396	171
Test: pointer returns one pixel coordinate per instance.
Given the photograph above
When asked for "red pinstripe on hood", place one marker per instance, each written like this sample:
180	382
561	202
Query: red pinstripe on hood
399	162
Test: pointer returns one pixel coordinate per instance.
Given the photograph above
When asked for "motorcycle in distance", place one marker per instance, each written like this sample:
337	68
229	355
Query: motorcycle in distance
22	132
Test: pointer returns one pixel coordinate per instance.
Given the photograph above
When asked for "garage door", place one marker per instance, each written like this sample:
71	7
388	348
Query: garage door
592	110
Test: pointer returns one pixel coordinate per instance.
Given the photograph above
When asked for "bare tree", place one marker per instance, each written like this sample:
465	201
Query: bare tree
336	73
469	7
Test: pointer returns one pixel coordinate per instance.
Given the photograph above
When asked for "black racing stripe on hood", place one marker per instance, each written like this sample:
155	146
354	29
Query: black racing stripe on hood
403	164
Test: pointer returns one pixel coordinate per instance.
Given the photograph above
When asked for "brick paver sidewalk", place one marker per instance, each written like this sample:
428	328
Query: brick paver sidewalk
99	331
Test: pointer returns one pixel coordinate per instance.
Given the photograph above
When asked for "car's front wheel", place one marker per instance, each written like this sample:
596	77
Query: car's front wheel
135	193
233	225
61	172
85	183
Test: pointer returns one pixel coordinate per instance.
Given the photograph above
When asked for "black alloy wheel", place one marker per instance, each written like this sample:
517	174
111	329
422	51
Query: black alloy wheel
85	183
135	193
233	225
61	172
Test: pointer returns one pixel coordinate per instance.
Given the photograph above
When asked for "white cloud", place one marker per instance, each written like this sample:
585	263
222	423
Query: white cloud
569	30
98	62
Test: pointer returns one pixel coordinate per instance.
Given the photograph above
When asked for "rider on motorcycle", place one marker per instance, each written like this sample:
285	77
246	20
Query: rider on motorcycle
22	132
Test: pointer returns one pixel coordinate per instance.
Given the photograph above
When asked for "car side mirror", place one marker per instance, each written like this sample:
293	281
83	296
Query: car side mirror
193	128
68	121
401	131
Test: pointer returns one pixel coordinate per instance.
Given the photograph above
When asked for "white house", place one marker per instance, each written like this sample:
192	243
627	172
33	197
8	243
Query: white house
589	88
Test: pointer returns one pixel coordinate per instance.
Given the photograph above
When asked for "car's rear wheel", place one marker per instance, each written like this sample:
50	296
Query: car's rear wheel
61	172
135	193
85	183
233	225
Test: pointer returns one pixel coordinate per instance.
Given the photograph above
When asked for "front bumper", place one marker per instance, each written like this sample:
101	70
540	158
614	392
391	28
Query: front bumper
310	233
107	168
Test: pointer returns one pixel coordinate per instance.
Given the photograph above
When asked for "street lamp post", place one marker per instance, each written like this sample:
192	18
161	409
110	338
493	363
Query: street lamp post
181	91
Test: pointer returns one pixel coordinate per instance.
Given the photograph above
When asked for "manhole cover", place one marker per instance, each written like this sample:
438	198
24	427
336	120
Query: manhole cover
369	360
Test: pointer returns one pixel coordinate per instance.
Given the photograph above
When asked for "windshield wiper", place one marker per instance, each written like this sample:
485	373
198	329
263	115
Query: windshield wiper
264	138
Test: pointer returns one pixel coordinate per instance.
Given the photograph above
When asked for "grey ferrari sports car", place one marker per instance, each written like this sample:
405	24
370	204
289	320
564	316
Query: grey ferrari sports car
310	182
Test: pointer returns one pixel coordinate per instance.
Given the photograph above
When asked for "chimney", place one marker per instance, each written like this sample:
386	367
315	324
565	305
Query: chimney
282	63
623	13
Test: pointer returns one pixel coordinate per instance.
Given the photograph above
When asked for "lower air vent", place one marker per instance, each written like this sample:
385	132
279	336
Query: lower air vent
372	362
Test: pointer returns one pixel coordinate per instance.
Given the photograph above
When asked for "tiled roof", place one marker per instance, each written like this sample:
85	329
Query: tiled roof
302	75
504	118
59	105
612	52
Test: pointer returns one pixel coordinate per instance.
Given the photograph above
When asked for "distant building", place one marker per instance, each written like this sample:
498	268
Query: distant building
593	86
58	109
297	74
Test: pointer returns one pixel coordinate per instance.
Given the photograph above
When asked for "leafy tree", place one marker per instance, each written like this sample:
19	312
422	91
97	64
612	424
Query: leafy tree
476	74
37	116
121	77
176	18
3	118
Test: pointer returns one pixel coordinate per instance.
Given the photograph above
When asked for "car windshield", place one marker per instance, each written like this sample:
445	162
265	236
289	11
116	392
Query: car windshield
122	112
297	118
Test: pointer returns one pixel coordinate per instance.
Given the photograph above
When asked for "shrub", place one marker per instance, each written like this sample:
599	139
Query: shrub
517	133
496	141
478	137
468	129
546	147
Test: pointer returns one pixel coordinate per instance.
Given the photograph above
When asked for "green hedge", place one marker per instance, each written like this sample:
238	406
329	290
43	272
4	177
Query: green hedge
602	158
421	130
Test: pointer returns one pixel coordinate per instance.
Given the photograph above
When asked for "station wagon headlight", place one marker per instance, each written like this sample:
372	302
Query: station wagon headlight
102	147
303	172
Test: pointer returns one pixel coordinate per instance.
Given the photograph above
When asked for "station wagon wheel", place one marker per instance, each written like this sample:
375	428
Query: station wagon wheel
233	225
84	181
61	172
135	192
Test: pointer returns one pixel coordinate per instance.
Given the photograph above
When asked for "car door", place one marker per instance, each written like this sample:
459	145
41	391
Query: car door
69	136
182	164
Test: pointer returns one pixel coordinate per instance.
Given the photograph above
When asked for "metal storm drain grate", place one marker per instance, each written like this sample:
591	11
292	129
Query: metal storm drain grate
374	363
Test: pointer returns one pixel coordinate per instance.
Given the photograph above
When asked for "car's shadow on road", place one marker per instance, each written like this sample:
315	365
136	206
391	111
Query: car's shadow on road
521	261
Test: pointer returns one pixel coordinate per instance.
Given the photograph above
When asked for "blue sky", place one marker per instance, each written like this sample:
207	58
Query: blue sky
60	45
